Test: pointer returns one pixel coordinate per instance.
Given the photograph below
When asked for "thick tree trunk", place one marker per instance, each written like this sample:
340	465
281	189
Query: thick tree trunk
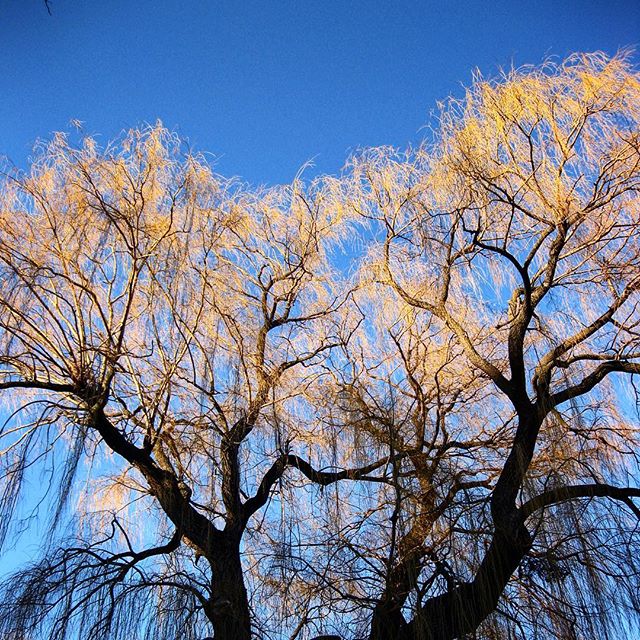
229	606
462	610
387	623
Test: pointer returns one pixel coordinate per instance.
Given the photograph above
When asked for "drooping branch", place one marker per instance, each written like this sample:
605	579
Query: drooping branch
163	485
593	379
573	492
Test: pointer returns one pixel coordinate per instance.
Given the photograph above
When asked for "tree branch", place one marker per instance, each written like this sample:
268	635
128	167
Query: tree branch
38	384
323	478
593	379
572	492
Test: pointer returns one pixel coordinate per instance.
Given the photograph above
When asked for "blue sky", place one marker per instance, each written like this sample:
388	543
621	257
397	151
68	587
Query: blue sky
266	86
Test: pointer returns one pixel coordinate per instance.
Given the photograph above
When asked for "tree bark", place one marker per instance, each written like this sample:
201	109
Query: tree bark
228	608
462	610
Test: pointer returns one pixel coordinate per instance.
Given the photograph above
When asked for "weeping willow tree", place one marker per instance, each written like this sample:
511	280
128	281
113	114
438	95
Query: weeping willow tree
512	244
397	403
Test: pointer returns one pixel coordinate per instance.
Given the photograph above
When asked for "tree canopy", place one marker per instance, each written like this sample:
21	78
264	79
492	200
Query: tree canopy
395	403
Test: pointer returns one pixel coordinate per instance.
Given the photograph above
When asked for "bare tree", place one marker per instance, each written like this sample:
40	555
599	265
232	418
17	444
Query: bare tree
158	312
396	403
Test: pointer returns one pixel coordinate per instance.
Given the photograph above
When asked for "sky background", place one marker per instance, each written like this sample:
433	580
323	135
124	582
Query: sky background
267	86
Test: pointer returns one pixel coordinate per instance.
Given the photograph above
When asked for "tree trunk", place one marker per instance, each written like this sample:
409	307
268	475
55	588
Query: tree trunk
387	623
228	609
461	611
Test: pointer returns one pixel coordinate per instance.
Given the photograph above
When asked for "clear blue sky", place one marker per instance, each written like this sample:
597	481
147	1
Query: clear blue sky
266	86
